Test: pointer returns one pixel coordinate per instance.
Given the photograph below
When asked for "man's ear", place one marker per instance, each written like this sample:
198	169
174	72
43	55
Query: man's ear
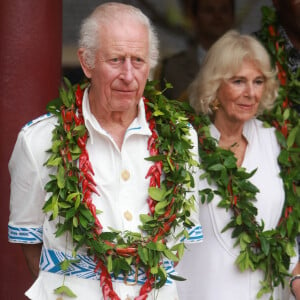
82	59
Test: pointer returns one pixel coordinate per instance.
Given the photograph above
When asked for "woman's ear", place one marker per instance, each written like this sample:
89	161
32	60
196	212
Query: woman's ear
82	59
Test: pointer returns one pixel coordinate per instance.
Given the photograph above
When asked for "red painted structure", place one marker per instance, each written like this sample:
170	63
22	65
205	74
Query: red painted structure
30	72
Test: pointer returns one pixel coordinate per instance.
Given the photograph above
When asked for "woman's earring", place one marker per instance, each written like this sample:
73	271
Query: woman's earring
215	105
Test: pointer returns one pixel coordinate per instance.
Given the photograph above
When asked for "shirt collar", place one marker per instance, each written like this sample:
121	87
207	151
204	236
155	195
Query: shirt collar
138	126
247	131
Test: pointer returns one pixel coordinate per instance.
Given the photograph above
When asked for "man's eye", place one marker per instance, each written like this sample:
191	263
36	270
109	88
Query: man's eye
115	59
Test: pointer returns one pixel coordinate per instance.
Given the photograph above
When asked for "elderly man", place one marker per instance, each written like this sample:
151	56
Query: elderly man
120	200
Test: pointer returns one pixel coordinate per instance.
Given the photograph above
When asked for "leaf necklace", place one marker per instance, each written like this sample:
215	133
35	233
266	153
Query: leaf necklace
269	251
72	187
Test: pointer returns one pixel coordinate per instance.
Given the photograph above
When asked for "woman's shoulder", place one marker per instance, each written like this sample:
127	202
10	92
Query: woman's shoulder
257	129
260	127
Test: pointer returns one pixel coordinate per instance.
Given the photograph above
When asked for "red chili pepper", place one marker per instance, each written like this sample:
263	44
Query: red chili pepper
284	130
152	139
151	171
272	30
69	116
78	96
275	124
69	156
126	251
84	185
285	103
78	120
281	74
93	188
229	188
80	143
235	199
67	127
151	204
90	178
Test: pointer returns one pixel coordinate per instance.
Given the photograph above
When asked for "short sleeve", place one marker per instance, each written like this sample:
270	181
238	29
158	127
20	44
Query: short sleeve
27	189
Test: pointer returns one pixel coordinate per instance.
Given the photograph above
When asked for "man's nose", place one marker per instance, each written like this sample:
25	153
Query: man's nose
127	70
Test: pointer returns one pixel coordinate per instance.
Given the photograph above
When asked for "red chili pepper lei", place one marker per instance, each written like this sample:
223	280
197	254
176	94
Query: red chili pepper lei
89	187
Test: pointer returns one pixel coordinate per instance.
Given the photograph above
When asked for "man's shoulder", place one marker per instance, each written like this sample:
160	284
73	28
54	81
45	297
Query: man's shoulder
39	129
41	121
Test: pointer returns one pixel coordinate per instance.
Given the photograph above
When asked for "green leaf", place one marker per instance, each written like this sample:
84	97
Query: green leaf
292	136
156	193
156	246
265	245
244	262
170	255
64	290
109	263
54	161
290	251
160	207
176	277
75	222
216	167
179	248
61	177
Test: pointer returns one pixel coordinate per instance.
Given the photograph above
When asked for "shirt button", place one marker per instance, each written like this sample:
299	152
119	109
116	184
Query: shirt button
128	215
125	175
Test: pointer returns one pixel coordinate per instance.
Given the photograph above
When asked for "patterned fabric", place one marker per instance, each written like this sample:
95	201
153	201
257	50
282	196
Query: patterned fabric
25	235
195	235
83	266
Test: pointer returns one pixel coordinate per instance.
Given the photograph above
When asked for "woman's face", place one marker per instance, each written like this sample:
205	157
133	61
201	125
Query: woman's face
239	96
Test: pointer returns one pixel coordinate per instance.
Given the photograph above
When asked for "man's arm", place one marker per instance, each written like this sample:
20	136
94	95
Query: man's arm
32	253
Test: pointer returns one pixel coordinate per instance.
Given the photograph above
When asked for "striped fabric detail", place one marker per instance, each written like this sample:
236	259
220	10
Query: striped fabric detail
83	266
40	118
195	235
25	235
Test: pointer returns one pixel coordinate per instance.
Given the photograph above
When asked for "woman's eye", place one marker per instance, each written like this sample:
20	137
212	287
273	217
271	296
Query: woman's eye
238	81
259	81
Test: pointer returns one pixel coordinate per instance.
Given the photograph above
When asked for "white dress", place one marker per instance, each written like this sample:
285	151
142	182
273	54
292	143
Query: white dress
210	267
122	199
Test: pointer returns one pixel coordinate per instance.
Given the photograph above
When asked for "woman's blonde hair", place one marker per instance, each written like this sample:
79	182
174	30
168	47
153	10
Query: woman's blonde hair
223	60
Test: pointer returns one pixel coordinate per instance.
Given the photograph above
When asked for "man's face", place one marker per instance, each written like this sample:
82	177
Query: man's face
121	66
215	17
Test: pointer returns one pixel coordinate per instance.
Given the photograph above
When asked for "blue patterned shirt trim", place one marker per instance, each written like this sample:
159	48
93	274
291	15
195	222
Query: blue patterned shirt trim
25	235
83	266
195	235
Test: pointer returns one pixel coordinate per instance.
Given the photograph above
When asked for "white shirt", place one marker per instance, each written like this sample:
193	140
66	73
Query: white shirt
122	197
210	267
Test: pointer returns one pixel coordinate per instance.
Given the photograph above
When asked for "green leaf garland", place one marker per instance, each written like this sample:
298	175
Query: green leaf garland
269	251
72	186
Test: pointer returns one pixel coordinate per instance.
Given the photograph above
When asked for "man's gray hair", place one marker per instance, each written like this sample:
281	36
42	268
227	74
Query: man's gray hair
92	25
